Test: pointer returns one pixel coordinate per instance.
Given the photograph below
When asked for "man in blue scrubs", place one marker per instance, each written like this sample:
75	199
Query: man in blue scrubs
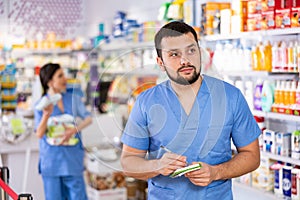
195	116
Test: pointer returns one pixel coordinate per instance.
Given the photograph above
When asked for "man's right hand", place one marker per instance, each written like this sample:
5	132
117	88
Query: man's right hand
169	162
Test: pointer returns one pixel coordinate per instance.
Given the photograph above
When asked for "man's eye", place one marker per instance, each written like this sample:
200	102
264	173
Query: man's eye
174	54
192	50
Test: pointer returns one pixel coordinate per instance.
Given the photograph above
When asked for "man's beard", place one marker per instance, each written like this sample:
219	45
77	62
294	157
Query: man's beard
183	81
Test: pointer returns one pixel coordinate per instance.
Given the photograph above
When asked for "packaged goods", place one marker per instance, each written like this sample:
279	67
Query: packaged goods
282	18
184	170
47	100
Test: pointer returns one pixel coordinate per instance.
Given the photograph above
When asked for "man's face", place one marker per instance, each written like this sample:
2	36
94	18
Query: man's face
181	59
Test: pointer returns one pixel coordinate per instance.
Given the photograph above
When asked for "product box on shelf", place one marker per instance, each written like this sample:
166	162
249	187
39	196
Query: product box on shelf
106	186
269	138
295	144
277	168
254	22
295	183
263	176
283	144
103	176
280	4
111	194
254	7
210	20
295	17
282	18
267	5
268	20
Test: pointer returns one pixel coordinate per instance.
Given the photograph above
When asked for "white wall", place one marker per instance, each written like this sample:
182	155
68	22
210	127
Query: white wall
97	11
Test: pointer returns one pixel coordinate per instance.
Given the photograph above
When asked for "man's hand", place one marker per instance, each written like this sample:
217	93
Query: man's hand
202	177
169	162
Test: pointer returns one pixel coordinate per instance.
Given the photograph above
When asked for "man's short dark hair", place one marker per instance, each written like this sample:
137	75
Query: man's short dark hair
172	29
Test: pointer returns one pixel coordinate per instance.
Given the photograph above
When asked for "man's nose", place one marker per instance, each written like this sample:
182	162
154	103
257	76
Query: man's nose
184	61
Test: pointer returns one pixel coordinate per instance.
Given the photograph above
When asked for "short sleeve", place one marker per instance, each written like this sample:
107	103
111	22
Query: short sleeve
81	110
136	133
245	128
37	118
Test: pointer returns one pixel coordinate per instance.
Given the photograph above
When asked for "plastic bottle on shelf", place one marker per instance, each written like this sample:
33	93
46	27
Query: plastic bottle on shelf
218	57
268	56
276	95
256	58
290	60
275	57
297	104
281	95
249	94
267	96
295	57
283	57
257	94
247	59
261	60
293	95
286	93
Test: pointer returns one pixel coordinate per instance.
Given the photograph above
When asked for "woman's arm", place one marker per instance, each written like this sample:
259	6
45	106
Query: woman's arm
69	132
42	127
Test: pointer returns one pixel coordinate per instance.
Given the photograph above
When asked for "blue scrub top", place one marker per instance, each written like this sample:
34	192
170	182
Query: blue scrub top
220	113
62	160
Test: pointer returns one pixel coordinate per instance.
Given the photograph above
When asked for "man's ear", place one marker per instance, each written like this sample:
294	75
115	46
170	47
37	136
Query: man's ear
160	63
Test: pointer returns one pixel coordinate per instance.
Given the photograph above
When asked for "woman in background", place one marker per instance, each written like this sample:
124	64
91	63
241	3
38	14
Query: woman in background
61	166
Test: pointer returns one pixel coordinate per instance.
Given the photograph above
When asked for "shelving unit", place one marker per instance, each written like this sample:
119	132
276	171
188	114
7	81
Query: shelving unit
278	116
253	34
270	117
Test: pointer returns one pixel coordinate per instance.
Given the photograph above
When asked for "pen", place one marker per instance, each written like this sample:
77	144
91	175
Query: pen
165	148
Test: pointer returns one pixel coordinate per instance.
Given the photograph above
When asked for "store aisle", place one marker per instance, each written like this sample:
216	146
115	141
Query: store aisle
244	192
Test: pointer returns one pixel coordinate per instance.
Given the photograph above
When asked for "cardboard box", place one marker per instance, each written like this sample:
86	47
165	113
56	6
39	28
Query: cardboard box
269	141
268	20
112	194
279	4
295	140
283	144
254	7
263	176
210	17
254	22
267	5
282	18
295	17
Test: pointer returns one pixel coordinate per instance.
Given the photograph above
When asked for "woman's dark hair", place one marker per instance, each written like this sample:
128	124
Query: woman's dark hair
46	74
172	29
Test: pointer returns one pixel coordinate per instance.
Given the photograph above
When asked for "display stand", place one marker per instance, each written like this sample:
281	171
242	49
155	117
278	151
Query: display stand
6	191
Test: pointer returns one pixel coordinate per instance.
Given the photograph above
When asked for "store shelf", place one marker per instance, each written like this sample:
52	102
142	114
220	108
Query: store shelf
261	74
278	116
280	158
136	71
123	45
253	34
17	53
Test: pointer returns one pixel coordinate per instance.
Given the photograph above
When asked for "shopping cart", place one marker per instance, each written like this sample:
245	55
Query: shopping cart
6	191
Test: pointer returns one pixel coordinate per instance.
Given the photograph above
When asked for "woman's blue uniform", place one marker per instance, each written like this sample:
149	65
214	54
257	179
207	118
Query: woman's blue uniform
219	114
63	163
